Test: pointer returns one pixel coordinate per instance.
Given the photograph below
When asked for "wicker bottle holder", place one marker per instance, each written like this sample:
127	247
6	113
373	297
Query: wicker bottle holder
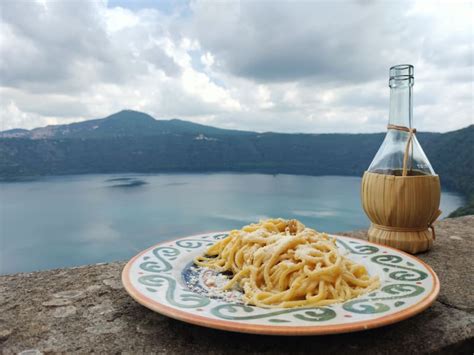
402	209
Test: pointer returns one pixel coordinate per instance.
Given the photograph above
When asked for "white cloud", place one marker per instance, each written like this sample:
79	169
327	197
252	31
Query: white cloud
118	18
207	60
292	66
264	96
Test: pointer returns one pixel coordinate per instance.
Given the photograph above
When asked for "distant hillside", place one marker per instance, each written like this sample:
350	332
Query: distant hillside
121	124
131	141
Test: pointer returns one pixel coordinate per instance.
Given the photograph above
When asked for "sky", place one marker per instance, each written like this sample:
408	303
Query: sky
285	66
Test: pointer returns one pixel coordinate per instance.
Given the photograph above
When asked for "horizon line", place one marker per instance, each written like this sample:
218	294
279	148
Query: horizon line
205	125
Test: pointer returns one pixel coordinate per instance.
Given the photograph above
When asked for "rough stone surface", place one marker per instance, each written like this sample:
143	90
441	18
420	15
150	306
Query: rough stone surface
86	309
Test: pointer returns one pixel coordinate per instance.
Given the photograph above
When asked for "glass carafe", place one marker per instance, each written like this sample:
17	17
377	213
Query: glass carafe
400	144
400	191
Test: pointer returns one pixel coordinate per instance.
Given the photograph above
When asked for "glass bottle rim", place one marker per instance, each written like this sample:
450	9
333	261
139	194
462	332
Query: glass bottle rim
401	66
402	71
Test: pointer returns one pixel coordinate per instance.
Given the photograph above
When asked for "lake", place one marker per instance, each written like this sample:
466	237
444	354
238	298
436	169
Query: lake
74	220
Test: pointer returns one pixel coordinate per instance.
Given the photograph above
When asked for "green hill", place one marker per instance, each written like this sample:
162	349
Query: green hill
131	141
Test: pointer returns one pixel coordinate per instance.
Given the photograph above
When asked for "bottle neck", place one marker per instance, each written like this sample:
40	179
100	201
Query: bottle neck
401	103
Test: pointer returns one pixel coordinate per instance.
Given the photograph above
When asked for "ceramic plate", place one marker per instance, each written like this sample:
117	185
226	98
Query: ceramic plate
164	279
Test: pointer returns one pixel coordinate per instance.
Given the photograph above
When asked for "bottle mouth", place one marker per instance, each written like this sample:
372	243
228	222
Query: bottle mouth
401	74
402	71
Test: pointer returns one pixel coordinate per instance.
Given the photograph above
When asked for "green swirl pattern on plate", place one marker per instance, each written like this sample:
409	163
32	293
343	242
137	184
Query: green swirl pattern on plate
219	236
193	243
230	311
406	274
161	263
189	300
359	248
373	304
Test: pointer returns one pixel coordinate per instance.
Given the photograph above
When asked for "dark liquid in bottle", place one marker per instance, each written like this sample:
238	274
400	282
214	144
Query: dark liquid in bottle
399	172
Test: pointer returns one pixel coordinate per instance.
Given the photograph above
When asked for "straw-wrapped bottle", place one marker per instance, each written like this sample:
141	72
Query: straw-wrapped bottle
400	190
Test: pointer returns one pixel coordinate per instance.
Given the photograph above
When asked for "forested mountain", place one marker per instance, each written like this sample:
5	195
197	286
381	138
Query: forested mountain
131	141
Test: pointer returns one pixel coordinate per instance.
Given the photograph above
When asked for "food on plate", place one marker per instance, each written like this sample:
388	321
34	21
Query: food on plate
282	263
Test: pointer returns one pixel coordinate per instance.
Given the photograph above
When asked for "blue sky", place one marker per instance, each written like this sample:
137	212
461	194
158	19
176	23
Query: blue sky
288	66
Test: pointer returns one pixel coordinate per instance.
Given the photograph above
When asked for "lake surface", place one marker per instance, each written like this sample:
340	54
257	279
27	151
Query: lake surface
68	221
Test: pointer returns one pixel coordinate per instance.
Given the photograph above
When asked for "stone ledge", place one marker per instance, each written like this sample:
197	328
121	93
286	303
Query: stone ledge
85	309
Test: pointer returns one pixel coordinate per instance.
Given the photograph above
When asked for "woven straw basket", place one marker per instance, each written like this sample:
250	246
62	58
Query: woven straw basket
402	209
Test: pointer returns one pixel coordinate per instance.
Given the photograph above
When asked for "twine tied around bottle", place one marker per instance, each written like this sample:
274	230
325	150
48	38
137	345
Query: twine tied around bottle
409	146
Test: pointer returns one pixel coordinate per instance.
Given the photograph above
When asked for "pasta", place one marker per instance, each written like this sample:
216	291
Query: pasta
281	263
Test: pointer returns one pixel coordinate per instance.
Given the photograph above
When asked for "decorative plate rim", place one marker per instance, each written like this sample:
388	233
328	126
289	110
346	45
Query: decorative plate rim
273	329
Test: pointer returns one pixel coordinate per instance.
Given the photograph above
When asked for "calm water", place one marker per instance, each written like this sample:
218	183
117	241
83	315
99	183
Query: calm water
75	220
